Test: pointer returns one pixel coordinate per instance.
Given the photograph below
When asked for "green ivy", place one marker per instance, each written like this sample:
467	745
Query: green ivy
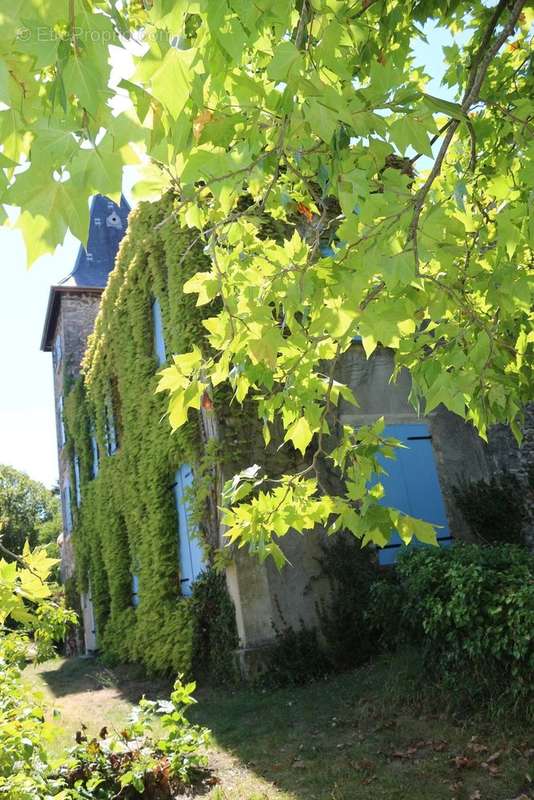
127	522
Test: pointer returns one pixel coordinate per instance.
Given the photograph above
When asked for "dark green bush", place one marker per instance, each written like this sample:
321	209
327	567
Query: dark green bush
471	610
495	510
214	630
296	658
351	571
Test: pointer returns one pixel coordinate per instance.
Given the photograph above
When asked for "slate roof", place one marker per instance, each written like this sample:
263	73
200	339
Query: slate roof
107	226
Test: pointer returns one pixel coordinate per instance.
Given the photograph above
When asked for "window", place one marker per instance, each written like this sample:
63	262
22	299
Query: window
95	464
135	591
191	555
412	485
67	510
58	351
77	484
61	423
159	341
112	442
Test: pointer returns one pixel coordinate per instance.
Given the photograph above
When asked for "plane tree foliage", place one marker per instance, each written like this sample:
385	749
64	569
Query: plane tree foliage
335	192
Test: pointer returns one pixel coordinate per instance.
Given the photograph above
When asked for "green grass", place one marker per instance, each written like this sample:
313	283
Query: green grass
365	734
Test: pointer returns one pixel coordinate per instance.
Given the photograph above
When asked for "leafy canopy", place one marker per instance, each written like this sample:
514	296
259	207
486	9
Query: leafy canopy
404	218
29	512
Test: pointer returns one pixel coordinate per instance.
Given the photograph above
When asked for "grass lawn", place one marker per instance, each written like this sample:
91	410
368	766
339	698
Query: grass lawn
352	737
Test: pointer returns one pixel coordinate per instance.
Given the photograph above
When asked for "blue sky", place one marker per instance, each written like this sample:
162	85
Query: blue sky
27	422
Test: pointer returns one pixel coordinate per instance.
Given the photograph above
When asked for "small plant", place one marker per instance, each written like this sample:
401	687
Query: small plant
136	762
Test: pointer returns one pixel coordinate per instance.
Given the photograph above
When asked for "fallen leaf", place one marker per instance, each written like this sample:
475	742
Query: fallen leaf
298	764
464	762
477	747
365	765
494	757
409	753
475	795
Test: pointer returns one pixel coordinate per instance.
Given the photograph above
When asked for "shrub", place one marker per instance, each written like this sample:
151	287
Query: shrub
471	609
350	570
495	510
214	630
296	658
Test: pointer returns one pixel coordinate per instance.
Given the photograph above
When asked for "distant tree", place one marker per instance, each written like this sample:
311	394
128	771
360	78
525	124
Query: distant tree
28	512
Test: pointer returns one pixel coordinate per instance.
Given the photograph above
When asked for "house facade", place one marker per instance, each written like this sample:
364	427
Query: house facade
141	506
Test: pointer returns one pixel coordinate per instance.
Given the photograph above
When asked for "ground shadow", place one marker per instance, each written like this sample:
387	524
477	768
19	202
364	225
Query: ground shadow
76	675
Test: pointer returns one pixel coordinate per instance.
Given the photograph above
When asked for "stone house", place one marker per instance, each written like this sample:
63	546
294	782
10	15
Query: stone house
128	492
70	317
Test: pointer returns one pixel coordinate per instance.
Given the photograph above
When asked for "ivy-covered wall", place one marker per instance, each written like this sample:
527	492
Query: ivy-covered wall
127	521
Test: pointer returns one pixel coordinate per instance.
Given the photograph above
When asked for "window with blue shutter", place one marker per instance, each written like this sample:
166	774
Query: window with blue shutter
77	486
111	429
95	462
159	339
67	510
135	591
412	486
191	556
58	351
61	423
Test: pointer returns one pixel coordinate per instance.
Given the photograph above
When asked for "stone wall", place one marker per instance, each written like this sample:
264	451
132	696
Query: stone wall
503	453
75	322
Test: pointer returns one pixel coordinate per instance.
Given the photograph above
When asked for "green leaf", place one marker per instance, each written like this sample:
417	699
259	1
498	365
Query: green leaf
436	104
82	80
408	131
285	64
172	81
300	434
323	120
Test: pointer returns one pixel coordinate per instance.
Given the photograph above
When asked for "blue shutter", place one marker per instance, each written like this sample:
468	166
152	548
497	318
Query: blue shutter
67	508
58	351
191	555
111	433
94	451
77	480
135	591
159	340
412	485
62	435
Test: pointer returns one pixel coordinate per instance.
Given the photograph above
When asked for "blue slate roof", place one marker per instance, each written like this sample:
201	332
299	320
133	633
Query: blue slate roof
107	226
